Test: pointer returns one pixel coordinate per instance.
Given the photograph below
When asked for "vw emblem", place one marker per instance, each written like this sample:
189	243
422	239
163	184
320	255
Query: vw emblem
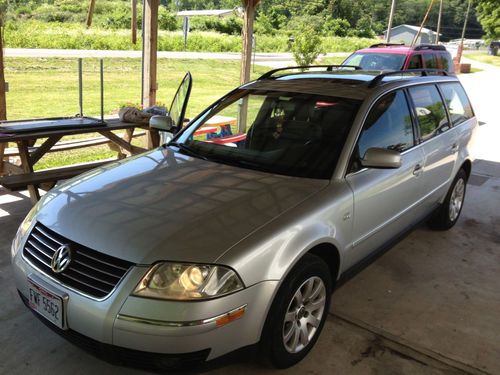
61	259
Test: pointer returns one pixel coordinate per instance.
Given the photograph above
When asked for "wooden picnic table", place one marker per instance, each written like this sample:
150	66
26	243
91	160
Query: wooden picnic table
16	177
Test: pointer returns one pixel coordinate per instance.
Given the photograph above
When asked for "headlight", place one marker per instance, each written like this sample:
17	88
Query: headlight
21	231
179	281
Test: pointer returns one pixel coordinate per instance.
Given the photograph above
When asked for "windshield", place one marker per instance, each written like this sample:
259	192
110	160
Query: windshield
376	61
294	134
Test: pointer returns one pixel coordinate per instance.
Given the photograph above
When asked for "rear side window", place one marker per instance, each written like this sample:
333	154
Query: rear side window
430	111
388	125
415	62
430	61
446	61
457	102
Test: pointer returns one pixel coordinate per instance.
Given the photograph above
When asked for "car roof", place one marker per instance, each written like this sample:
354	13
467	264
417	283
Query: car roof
351	84
397	50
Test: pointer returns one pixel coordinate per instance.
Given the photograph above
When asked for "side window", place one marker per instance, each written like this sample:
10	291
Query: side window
430	61
388	125
415	62
445	61
430	111
457	102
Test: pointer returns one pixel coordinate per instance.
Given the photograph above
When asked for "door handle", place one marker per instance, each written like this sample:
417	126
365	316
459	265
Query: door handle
454	148
417	170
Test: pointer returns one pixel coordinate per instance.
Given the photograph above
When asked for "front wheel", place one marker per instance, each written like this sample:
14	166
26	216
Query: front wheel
448	213
298	312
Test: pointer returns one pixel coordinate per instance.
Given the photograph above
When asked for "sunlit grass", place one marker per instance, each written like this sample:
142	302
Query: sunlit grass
484	58
48	87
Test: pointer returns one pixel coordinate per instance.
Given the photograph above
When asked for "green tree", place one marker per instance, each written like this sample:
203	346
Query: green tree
307	46
488	13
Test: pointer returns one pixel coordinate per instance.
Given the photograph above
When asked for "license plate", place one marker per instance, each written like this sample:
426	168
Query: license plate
46	303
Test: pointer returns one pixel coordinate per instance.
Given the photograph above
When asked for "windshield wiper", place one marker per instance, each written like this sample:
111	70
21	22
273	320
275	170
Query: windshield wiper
188	150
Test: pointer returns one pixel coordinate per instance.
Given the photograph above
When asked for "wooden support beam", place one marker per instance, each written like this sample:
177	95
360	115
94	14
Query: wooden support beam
247	31
28	168
150	48
3	100
90	13
150	51
44	147
133	21
2	153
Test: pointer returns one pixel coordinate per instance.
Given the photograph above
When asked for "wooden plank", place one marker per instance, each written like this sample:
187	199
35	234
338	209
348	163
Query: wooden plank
27	169
3	102
111	125
20	181
90	13
150	47
9	168
124	145
43	148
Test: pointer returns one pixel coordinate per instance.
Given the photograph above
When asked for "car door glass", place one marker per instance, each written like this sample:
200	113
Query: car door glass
457	102
388	125
430	111
415	62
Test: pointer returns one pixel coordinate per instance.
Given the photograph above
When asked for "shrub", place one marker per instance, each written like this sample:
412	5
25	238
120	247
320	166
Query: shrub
307	46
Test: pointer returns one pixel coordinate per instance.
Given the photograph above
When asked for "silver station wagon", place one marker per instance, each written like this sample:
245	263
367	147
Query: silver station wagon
235	232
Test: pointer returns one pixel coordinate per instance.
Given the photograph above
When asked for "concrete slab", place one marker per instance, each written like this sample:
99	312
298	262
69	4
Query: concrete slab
439	290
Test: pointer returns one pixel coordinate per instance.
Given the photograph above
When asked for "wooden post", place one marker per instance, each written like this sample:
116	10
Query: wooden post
150	48
134	21
389	25
90	12
422	24
246	52
3	101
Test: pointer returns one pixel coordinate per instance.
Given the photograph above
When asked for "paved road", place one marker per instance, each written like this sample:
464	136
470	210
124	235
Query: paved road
260	57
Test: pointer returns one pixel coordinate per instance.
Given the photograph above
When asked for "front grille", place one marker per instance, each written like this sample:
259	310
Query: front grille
89	272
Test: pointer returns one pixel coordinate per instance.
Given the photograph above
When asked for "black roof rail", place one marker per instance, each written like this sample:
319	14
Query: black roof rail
386	45
329	68
434	47
423	73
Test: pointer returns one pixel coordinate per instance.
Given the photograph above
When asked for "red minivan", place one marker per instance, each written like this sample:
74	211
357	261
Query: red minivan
388	56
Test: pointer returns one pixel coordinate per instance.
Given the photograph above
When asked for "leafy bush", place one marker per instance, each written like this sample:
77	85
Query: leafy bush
36	34
307	46
227	25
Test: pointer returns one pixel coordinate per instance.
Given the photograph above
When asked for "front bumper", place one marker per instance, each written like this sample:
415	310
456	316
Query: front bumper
167	330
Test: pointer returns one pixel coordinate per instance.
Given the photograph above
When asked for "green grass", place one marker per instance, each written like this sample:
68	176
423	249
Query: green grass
484	58
42	87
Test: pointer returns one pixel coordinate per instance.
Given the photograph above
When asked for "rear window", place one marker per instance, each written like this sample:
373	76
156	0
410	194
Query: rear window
376	61
457	102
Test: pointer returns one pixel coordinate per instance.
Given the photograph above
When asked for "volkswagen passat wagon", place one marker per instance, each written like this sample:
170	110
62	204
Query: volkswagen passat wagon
235	232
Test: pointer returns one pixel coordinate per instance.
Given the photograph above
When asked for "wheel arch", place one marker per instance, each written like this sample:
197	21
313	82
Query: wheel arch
330	255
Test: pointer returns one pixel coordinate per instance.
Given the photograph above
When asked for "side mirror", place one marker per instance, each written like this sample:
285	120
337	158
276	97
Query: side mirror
381	158
162	123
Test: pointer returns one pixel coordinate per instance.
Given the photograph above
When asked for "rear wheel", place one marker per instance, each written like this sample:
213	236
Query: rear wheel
448	213
298	313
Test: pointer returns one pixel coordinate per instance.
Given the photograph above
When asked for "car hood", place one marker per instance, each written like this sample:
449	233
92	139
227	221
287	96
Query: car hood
164	205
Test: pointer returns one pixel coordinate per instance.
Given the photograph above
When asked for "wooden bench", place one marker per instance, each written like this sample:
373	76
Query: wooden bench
21	181
68	145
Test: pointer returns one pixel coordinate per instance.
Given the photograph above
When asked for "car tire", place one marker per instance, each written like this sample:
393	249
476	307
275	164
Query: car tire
447	214
298	313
